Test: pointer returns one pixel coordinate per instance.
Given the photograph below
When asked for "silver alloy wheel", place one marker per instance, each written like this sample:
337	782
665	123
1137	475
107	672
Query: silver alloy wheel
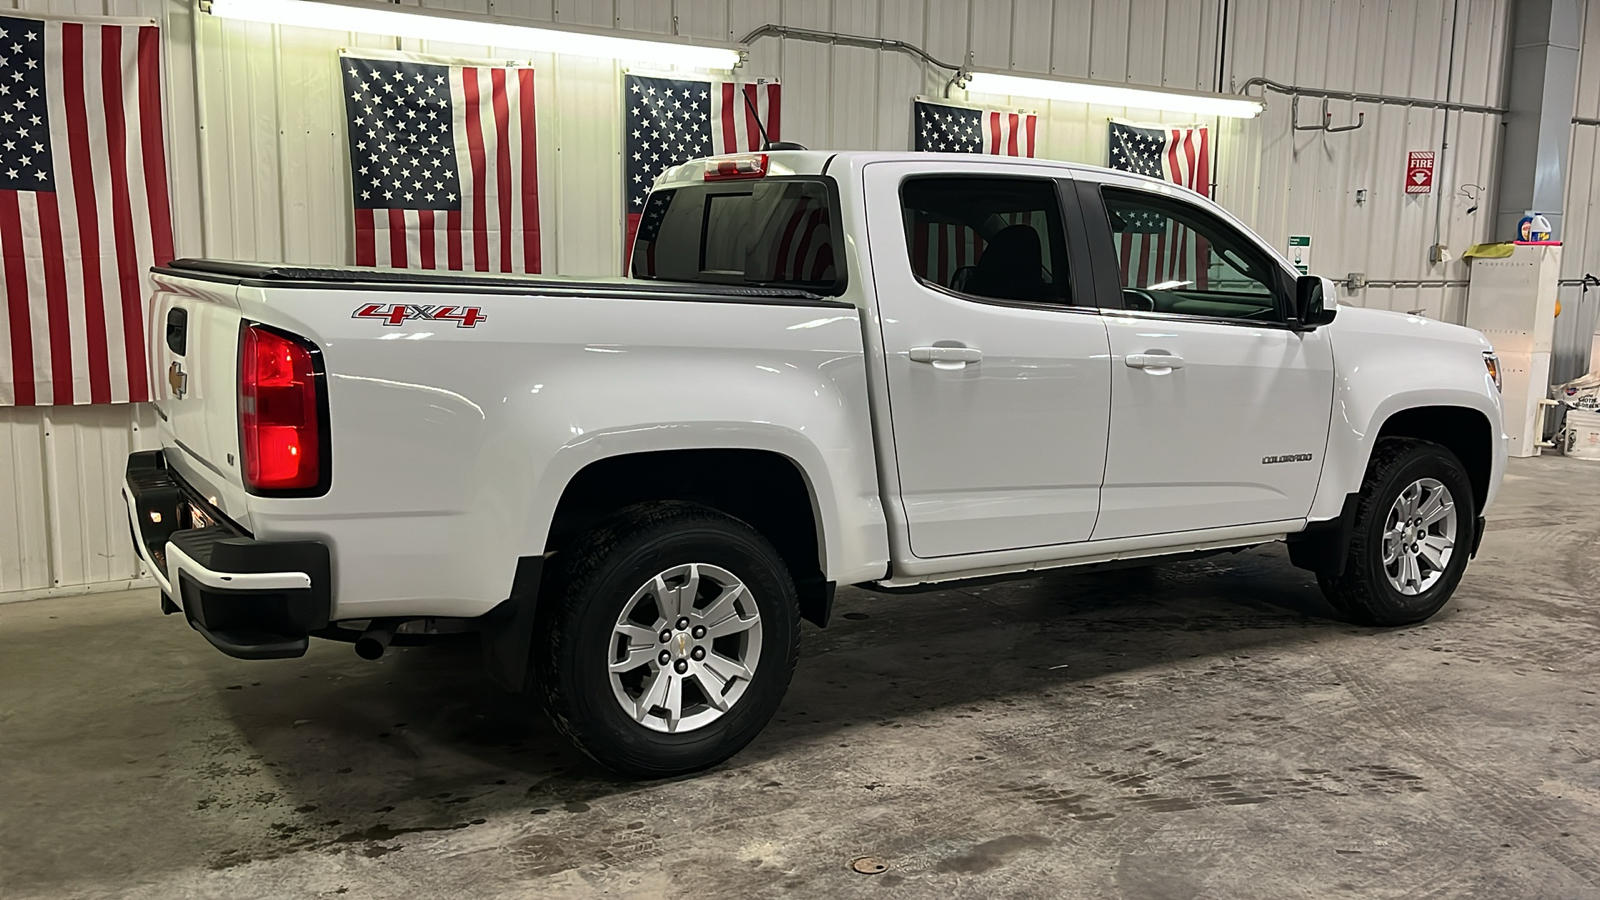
685	648
1419	536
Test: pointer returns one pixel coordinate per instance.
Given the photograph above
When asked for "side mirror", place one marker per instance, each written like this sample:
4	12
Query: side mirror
1314	301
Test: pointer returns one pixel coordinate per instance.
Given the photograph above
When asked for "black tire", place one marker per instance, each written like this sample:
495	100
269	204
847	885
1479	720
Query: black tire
1364	592
596	580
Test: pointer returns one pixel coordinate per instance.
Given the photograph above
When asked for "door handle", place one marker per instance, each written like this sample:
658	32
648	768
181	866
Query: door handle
1154	361
946	357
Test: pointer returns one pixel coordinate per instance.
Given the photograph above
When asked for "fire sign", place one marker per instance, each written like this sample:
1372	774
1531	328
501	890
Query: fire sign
1419	172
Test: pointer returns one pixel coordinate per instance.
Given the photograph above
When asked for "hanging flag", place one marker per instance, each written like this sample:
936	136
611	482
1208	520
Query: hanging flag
443	163
668	121
1155	247
84	210
949	128
939	250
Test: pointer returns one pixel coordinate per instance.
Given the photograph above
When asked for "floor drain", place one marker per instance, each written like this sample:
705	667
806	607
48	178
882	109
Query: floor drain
869	865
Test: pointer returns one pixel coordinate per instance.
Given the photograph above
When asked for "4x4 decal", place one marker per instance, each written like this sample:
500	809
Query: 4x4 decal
399	313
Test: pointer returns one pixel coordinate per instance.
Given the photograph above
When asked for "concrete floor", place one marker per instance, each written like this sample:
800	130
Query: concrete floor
1195	730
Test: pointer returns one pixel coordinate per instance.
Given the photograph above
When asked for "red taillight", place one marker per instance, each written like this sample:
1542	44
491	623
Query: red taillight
754	166
279	426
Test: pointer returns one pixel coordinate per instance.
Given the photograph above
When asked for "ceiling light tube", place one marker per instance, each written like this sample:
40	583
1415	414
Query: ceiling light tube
1101	93
444	25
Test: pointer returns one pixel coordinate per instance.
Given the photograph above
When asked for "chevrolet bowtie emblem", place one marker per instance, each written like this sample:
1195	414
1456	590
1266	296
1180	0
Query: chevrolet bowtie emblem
177	380
683	644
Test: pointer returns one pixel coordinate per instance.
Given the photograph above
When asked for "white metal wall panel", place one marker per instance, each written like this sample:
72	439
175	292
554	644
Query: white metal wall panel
1576	330
255	122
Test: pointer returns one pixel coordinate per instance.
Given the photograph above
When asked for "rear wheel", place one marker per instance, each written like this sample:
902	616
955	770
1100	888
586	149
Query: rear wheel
673	641
1413	531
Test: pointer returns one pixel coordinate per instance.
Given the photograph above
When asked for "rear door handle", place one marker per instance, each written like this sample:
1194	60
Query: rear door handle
1154	361
946	357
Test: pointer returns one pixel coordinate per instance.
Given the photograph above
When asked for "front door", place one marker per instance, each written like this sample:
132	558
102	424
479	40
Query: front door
997	360
1219	410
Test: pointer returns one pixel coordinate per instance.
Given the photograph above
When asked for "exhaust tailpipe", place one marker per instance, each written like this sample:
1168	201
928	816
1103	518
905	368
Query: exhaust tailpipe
376	638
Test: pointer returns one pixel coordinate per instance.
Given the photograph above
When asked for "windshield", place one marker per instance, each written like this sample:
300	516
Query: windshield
771	231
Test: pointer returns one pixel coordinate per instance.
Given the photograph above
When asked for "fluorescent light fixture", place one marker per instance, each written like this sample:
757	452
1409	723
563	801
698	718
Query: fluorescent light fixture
1168	285
444	25
1100	93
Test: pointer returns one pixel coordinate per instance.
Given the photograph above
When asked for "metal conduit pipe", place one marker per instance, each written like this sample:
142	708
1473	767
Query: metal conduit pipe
838	37
1267	84
1427	282
1579	120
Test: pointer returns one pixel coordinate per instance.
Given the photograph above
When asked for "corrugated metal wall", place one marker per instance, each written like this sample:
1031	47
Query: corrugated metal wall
1575	337
255	126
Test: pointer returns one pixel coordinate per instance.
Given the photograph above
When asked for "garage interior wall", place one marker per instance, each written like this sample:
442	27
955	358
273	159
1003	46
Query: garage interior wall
1576	338
255	132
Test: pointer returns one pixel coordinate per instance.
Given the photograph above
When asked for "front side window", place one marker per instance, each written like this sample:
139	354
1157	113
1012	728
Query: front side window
769	232
1174	257
994	238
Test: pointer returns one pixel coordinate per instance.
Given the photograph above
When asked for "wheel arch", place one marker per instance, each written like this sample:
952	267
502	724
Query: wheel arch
1465	431
770	491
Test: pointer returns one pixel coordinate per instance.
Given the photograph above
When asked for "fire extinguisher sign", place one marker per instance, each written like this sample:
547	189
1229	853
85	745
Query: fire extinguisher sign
1419	172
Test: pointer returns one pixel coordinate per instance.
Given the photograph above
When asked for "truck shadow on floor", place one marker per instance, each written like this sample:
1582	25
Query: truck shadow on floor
423	740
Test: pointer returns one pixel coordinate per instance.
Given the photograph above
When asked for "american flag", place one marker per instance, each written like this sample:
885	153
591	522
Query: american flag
1153	247
668	121
84	211
947	128
941	249
443	164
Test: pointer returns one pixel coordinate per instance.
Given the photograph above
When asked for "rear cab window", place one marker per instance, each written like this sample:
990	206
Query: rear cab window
768	232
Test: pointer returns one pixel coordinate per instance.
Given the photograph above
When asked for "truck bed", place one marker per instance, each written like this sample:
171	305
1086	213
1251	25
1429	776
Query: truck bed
277	275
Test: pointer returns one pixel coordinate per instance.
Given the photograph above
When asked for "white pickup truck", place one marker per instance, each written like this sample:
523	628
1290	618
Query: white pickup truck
884	369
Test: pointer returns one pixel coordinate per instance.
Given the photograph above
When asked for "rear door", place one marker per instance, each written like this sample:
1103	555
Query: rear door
1219	410
998	368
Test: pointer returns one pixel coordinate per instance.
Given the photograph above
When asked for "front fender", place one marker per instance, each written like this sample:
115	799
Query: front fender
1401	366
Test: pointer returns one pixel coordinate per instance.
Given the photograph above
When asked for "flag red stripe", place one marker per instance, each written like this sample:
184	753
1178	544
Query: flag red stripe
397	238
480	213
1011	135
631	230
366	240
1033	124
452	227
789	229
153	151
530	174
944	271
128	274
1203	185
88	216
502	156
994	134
798	266
17	298
730	134
425	233
752	128
774	94
919	249
55	294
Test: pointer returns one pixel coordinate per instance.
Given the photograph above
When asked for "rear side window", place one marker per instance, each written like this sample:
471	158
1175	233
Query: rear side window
769	232
997	238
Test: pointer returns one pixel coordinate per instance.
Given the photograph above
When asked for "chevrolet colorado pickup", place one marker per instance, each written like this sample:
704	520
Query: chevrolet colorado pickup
883	369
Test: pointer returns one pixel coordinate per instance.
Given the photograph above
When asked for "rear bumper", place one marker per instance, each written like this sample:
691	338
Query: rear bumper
251	599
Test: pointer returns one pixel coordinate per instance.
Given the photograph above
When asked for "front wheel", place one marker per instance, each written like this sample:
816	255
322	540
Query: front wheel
1412	536
674	640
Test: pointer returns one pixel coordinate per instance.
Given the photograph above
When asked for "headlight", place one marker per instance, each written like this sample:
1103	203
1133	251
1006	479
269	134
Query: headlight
1492	362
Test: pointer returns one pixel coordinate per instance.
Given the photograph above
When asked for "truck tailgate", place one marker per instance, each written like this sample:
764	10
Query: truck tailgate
194	355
